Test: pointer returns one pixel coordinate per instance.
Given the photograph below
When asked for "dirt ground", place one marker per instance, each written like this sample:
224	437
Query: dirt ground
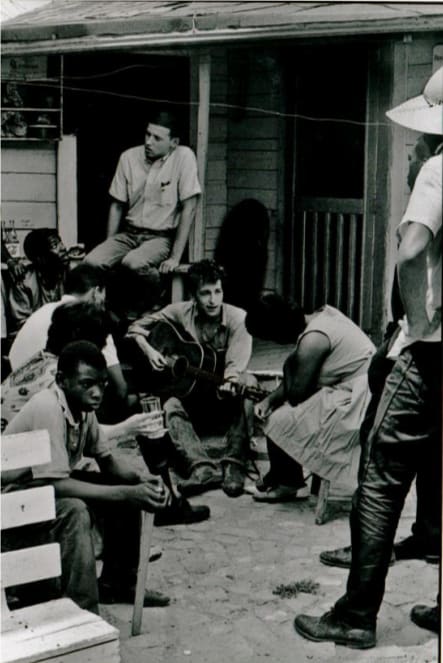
222	575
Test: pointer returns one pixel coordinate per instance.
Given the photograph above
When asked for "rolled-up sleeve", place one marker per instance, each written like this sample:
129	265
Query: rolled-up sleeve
119	184
188	183
238	352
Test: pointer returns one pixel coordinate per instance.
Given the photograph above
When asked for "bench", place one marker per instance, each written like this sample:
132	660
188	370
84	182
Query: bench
57	630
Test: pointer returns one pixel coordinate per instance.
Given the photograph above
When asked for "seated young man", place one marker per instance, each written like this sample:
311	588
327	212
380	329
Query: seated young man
43	280
84	283
117	493
207	320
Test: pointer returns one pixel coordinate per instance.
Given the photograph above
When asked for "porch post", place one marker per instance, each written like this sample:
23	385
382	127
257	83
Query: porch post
202	62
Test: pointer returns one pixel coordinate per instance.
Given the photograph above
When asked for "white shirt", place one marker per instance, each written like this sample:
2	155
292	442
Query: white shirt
154	191
425	207
32	336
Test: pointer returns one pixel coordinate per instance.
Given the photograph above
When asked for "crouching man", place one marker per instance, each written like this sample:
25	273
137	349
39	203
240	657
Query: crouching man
116	494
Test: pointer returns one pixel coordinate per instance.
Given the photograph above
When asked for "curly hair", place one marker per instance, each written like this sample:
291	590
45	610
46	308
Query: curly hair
80	351
273	318
75	321
204	271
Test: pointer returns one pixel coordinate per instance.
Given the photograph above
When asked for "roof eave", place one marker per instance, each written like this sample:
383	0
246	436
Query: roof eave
193	37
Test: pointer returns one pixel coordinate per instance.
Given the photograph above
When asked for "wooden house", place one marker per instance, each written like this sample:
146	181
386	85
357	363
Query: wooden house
283	102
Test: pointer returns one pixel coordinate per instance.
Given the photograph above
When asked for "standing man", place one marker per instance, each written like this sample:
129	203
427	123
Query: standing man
406	436
154	193
207	320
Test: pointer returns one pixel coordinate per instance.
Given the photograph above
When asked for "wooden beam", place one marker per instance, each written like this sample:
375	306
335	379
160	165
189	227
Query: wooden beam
203	64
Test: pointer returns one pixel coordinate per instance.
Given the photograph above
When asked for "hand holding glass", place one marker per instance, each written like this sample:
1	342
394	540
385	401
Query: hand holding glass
155	427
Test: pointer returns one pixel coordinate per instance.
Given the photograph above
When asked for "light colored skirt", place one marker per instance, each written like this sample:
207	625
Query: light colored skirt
322	433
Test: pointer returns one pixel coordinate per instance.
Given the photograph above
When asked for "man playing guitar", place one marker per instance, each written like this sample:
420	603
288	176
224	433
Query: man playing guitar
208	321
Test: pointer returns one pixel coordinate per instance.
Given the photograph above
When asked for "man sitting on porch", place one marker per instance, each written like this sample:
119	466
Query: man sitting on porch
207	320
154	191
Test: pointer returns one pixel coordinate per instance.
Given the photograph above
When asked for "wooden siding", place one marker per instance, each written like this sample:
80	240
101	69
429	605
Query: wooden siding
29	187
244	147
254	147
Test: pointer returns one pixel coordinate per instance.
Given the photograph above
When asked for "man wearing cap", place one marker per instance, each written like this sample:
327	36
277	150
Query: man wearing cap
406	434
154	192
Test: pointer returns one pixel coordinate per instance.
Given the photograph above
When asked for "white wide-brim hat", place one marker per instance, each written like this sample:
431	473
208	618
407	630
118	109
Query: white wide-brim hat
425	112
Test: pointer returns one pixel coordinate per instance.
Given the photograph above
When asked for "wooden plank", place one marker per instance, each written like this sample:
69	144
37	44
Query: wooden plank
24	507
59	631
67	190
255	179
339	265
25	449
23	159
267	127
304	256
29	187
147	528
333	205
197	244
327	259
30	564
352	266
314	262
216	171
27	216
266	196
257	160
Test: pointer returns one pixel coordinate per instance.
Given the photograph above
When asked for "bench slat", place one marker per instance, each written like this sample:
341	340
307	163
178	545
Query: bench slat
30	564
60	631
25	507
21	450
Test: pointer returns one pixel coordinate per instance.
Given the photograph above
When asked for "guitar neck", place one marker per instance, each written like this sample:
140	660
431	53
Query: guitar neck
254	393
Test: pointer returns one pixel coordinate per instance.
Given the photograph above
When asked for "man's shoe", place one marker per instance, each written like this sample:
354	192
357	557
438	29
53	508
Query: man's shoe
426	617
342	557
411	548
203	478
180	512
280	494
109	594
328	628
233	479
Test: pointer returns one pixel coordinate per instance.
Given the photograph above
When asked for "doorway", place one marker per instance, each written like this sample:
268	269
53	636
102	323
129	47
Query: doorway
107	100
328	97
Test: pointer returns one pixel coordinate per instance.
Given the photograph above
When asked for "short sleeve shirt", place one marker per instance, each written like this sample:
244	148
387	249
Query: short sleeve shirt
154	191
70	439
425	207
33	335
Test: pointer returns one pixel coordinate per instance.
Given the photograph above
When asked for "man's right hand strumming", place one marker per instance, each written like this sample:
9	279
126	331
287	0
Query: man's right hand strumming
156	359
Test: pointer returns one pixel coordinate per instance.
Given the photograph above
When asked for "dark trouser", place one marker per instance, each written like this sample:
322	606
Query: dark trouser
405	440
283	470
204	414
72	529
426	528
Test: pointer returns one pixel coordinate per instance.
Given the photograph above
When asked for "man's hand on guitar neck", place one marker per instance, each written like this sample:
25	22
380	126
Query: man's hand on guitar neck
156	359
228	388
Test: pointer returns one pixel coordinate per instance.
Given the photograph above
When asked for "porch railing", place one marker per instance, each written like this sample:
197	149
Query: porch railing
328	252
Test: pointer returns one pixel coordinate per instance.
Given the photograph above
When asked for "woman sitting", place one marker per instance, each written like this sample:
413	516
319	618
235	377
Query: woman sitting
313	418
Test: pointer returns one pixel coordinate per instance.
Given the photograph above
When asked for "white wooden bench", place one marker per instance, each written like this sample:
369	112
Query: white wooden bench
58	630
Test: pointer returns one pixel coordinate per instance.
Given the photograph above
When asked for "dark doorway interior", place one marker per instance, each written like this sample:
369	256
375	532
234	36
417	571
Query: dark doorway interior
107	100
327	92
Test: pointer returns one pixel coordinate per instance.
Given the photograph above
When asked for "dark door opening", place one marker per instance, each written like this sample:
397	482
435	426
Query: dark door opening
328	95
107	100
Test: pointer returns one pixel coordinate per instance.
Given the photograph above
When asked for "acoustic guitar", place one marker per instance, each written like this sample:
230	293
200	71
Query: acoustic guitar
188	364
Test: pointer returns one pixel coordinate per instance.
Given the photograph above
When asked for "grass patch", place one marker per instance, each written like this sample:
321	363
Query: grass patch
291	590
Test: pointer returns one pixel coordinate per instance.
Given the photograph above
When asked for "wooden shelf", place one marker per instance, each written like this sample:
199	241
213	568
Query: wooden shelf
30	110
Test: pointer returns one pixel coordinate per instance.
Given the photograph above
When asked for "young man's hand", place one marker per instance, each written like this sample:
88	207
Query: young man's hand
156	359
151	495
